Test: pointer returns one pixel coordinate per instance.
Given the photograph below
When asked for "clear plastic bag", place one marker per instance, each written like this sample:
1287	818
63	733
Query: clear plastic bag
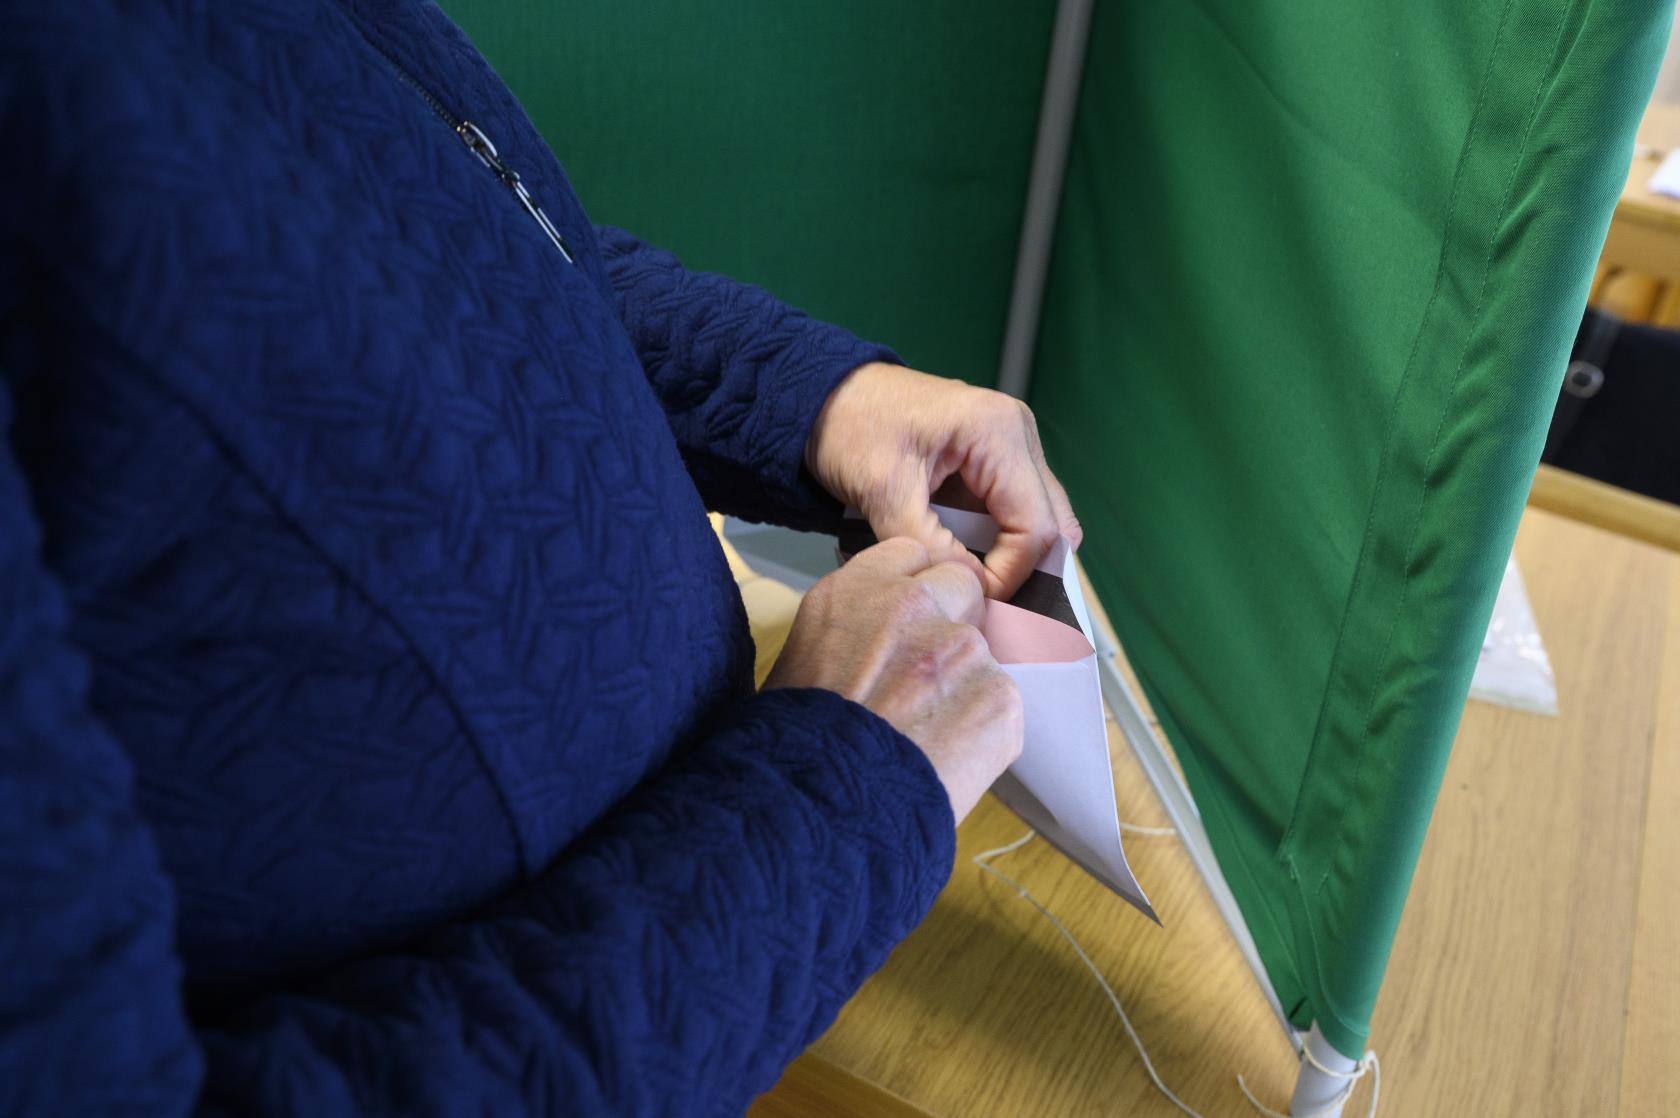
1513	669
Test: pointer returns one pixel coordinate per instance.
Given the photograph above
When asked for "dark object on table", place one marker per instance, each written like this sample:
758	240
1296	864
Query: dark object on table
1619	409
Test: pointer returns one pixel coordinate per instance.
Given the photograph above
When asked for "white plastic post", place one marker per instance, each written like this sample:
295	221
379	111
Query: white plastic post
1315	1092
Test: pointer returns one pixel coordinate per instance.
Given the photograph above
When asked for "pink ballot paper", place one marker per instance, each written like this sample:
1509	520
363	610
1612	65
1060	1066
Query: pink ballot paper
1062	786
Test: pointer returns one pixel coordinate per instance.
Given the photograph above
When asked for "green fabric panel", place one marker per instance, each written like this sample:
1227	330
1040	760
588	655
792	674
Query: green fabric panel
865	160
1316	275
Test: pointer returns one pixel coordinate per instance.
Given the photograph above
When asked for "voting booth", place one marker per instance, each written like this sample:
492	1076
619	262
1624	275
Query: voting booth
1290	285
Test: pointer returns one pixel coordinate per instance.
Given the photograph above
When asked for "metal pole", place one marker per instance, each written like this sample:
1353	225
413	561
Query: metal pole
1044	193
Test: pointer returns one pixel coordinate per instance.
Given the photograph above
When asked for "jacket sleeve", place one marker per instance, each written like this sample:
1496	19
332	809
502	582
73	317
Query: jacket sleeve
741	375
670	962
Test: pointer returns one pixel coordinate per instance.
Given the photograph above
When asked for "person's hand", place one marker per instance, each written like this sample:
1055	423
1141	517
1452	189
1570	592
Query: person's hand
888	437
896	632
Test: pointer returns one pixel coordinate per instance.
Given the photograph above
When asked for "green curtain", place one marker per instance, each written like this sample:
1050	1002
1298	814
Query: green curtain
1316	273
864	160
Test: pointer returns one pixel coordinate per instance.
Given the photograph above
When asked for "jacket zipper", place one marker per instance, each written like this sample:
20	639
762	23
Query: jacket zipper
479	144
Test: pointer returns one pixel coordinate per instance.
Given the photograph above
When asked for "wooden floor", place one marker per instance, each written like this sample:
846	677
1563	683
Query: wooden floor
1536	971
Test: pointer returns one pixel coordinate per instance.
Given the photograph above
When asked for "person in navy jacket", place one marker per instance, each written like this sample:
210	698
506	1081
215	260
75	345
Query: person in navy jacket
377	727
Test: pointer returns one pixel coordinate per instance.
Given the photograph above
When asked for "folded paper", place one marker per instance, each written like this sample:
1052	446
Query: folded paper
1062	785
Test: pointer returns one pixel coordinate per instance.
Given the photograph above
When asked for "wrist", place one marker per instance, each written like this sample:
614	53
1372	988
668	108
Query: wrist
845	386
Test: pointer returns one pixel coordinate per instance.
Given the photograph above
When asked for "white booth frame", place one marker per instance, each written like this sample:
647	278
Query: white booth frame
1316	1092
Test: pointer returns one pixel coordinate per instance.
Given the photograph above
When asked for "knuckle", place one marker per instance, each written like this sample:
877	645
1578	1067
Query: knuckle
957	642
905	547
967	642
1011	715
1008	409
942	652
926	665
907	602
954	583
1004	406
967	576
819	599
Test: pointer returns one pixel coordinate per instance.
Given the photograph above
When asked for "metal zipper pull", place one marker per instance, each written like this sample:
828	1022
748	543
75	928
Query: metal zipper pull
479	144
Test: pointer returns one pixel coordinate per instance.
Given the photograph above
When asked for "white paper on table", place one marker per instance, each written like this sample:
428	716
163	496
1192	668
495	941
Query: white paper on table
1063	784
1513	669
1666	178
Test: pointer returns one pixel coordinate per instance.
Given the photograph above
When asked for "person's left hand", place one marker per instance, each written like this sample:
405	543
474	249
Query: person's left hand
888	437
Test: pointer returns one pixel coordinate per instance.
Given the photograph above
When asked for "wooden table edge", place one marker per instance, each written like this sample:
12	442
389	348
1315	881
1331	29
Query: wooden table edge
1606	506
813	1087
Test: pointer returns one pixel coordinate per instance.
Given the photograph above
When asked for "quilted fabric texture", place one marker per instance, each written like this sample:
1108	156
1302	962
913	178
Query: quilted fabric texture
377	731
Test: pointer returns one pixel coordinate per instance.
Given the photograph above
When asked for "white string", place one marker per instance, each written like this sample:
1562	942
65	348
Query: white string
982	860
1350	1078
1368	1064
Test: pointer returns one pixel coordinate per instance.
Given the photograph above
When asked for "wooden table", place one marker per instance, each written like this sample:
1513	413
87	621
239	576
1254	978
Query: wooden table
1639	269
1536	970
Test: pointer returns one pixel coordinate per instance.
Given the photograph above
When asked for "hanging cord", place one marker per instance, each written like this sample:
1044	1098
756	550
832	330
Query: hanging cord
984	859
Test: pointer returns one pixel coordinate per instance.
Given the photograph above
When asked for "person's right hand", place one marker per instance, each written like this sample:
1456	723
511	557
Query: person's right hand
897	634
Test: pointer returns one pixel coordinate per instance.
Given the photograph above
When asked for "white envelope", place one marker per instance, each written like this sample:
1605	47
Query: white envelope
1062	786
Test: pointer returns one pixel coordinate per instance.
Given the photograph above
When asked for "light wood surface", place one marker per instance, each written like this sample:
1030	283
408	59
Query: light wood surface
812	1087
1659	134
1509	980
1649	1082
1534	972
1606	506
1641	257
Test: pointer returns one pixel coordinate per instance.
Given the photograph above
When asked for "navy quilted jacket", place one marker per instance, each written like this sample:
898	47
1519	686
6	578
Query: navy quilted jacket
376	725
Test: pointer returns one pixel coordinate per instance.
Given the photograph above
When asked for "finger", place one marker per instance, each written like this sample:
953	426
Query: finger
955	590
1006	477
1066	523
1012	559
899	556
904	510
